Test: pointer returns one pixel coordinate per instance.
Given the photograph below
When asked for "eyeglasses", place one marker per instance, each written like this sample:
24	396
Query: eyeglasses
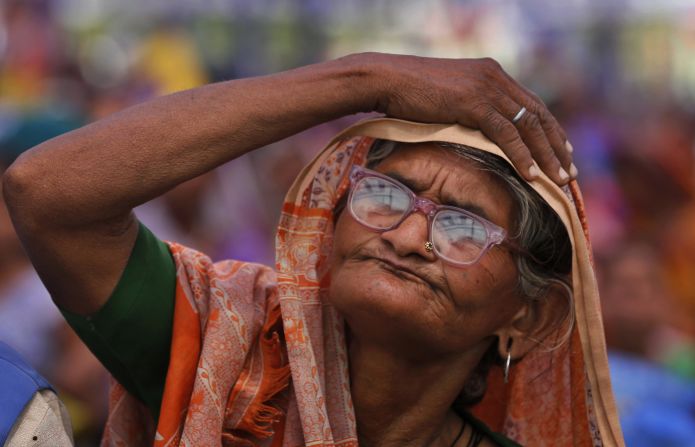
457	236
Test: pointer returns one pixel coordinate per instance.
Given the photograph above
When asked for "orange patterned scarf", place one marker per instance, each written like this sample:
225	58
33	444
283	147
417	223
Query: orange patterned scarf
229	380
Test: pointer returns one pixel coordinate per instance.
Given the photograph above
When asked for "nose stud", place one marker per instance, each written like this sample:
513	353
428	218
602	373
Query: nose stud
428	246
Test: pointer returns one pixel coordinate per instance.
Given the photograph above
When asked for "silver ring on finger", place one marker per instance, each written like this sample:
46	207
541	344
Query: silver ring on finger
519	115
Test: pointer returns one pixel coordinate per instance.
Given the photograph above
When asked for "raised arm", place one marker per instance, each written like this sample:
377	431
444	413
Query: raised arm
71	198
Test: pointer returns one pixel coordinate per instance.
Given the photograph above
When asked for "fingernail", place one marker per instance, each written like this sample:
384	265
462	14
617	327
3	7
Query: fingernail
563	174
533	171
569	147
573	171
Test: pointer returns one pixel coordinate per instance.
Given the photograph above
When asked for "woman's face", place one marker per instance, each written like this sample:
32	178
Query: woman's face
394	292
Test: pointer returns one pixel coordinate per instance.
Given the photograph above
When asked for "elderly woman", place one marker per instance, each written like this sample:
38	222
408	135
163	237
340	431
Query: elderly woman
424	293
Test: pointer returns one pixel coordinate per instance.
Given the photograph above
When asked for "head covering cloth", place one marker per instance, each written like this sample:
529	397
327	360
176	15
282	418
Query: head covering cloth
230	361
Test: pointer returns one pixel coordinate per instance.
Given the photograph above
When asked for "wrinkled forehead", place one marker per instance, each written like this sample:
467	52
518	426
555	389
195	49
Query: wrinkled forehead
464	166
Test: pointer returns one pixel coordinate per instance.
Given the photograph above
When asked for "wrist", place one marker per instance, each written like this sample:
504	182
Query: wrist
364	76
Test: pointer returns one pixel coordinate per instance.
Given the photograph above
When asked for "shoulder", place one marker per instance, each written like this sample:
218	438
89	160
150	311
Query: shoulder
30	407
44	421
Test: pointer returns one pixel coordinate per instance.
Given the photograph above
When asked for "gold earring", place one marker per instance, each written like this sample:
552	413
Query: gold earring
428	246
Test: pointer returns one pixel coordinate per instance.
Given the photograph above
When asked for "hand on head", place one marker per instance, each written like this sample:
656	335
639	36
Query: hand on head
477	93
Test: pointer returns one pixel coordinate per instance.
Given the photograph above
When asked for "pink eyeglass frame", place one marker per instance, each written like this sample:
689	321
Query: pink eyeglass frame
495	234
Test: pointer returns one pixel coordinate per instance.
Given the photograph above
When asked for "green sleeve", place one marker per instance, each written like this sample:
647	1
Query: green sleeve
131	333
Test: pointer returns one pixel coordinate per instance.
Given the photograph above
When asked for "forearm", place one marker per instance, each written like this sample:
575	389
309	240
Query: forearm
103	170
71	197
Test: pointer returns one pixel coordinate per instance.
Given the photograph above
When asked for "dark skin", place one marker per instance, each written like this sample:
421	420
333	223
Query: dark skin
71	198
441	318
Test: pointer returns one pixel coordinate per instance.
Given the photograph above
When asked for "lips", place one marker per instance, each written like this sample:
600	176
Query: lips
402	271
397	268
423	273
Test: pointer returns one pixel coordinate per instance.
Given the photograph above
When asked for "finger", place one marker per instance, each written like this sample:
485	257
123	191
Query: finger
503	133
556	139
534	135
531	130
555	134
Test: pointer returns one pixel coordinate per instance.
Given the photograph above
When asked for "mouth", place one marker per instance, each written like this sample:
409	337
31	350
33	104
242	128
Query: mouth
401	271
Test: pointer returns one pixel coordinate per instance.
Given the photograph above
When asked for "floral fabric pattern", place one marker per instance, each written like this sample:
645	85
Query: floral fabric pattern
259	358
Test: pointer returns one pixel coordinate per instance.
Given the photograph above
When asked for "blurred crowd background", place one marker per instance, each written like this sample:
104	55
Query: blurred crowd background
618	74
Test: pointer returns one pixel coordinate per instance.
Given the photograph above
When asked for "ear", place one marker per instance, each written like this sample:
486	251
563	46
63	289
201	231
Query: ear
535	322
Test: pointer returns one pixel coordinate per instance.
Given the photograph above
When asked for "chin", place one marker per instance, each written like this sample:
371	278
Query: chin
381	306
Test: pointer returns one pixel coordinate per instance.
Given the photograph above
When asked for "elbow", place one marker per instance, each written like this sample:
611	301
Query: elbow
15	184
20	190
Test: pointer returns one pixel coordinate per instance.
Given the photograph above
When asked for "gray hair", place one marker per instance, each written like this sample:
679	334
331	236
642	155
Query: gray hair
546	261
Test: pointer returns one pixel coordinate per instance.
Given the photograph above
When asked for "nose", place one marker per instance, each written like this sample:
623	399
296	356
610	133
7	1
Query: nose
410	236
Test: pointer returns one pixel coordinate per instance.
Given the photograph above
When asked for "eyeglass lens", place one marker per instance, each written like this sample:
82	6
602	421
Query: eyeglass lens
381	205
